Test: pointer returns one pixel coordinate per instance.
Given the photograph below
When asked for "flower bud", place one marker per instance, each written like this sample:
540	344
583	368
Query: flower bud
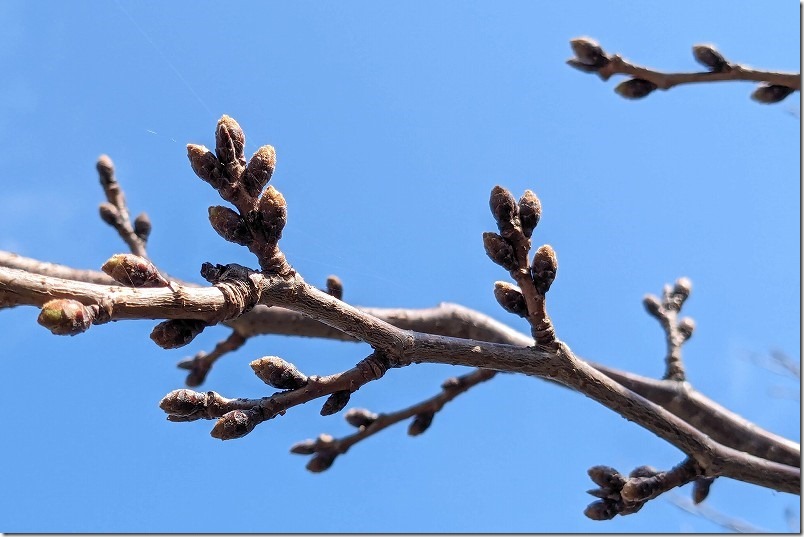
65	317
183	402
543	269
335	287
530	212
273	214
133	271
205	164
305	447
643	471
259	170
686	327
579	65
682	288
510	298
700	488
235	424
278	373
420	423
601	510
360	417
652	304
336	402
105	169
589	52
771	93
228	224
109	213
500	251
142	226
503	207
709	57
606	477
636	88
229	142
321	462
176	333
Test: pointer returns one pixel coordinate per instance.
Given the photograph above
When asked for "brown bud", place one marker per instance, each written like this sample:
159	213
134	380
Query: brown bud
503	207
321	462
305	447
682	288
229	142
335	287
259	170
420	423
708	56
452	383
636	88
142	226
638	489
771	93
589	52
109	213
176	333
606	477
235	424
133	271
643	471
653	305
228	224
579	65
335	402
205	164
530	212
700	488
543	269
500	251
278	373
686	327
510	298
183	402
272	211
65	317
601	510
105	169
360	417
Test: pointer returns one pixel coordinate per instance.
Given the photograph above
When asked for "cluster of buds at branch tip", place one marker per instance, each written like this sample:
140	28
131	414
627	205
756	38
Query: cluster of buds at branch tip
589	56
236	424
176	333
134	271
323	448
709	57
336	402
420	423
510	298
543	269
278	373
636	88
65	317
360	417
228	224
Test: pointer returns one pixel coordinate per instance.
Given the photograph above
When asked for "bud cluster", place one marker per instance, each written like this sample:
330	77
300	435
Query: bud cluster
324	448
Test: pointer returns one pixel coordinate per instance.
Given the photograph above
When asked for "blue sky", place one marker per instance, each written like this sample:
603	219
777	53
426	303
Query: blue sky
392	122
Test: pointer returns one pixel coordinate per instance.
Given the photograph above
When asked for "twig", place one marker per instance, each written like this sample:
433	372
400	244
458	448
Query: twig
115	211
677	332
201	363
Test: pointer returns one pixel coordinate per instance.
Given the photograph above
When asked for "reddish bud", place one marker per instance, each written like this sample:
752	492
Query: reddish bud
133	271
503	207
335	402
530	212
606	477
510	298
65	317
500	251
259	170
700	488
543	269
278	373
176	333
228	224
636	88
601	510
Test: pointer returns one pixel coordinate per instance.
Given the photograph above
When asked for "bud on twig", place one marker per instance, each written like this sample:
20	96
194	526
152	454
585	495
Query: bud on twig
709	57
420	423
109	213
183	402
636	88
653	305
601	510
335	402
360	417
176	333
771	93
228	224
259	170
229	142
606	477
589	52
105	169
700	488
278	373
643	471
133	271
142	226
273	214
543	269
682	288
686	327
305	447
500	251
65	317
321	462
235	424
205	164
530	212
335	287
503	207
510	298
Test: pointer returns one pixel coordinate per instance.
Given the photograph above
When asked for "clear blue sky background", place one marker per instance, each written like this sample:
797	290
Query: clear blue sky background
392	121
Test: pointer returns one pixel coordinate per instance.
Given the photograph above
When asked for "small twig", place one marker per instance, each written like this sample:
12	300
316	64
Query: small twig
591	58
115	211
326	448
201	363
677	332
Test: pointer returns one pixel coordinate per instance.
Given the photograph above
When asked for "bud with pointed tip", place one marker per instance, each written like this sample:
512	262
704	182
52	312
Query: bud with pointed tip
682	288
335	402
500	251
183	402
708	56
601	510
636	88
510	298
700	488
543	269
321	462
105	169
272	211
503	207
771	93
176	333
278	373
335	287
142	226
228	224
653	305
420	423
530	212
229	142
360	417
579	65
133	271
65	317
259	170
109	213
205	164
235	424
305	447
606	477
589	52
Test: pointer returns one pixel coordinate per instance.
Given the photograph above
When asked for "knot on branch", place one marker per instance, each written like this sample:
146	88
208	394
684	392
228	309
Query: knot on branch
239	286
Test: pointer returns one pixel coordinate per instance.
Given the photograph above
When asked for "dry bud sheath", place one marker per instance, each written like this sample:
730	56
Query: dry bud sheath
771	93
360	417
65	317
133	271
235	424
105	169
335	287
420	423
278	373
109	213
